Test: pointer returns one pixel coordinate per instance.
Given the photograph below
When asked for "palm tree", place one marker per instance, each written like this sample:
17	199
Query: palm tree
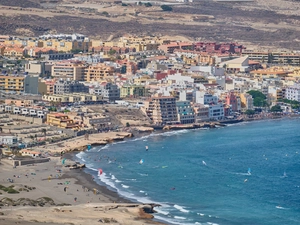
44	131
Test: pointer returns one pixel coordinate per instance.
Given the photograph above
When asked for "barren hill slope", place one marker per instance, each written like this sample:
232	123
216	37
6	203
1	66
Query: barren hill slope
275	23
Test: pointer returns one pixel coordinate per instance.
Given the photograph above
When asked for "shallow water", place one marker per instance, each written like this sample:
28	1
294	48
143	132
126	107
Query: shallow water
200	176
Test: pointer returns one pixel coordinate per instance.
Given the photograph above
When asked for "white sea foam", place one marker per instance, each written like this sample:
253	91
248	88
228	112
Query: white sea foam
124	186
143	174
105	179
80	155
179	217
171	221
161	211
113	177
212	223
200	214
131	179
142	191
181	209
93	169
118	181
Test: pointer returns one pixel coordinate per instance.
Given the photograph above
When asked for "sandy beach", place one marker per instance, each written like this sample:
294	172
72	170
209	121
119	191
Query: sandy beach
53	194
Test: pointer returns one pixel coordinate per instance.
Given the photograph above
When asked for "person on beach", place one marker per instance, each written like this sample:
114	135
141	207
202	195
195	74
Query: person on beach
75	199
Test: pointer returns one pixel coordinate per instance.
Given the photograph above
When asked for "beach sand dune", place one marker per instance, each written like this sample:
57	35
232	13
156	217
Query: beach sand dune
70	194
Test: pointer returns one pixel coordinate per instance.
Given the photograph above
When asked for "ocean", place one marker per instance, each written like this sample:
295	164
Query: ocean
242	174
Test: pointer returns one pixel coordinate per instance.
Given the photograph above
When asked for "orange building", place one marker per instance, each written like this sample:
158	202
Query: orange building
61	120
98	72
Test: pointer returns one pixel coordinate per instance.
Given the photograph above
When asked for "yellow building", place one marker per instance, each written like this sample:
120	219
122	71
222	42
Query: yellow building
14	52
61	120
12	83
143	80
24	43
72	98
269	73
133	91
57	44
98	72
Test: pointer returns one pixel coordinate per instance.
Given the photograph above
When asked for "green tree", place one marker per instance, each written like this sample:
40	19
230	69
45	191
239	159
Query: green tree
276	109
259	99
148	4
112	52
294	104
127	124
166	8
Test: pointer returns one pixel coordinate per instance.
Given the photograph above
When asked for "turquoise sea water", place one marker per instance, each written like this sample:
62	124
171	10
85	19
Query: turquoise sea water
200	176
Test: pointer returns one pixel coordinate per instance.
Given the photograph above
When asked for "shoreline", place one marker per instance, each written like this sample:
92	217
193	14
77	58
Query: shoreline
49	188
77	178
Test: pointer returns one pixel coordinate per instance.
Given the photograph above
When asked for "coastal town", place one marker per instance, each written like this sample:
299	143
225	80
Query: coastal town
61	93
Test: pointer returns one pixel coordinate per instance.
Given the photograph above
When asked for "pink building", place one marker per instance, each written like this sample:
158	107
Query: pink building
232	100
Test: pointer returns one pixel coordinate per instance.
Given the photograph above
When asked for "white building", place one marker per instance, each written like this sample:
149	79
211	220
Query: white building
211	70
8	139
293	92
205	99
179	79
216	112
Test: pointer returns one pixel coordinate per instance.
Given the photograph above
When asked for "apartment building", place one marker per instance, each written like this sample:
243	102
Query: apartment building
185	112
61	120
216	111
293	93
161	110
59	42
170	48
132	90
12	83
201	112
38	68
260	56
234	101
74	70
73	98
19	103
16	52
109	91
274	72
67	86
246	101
46	87
98	72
